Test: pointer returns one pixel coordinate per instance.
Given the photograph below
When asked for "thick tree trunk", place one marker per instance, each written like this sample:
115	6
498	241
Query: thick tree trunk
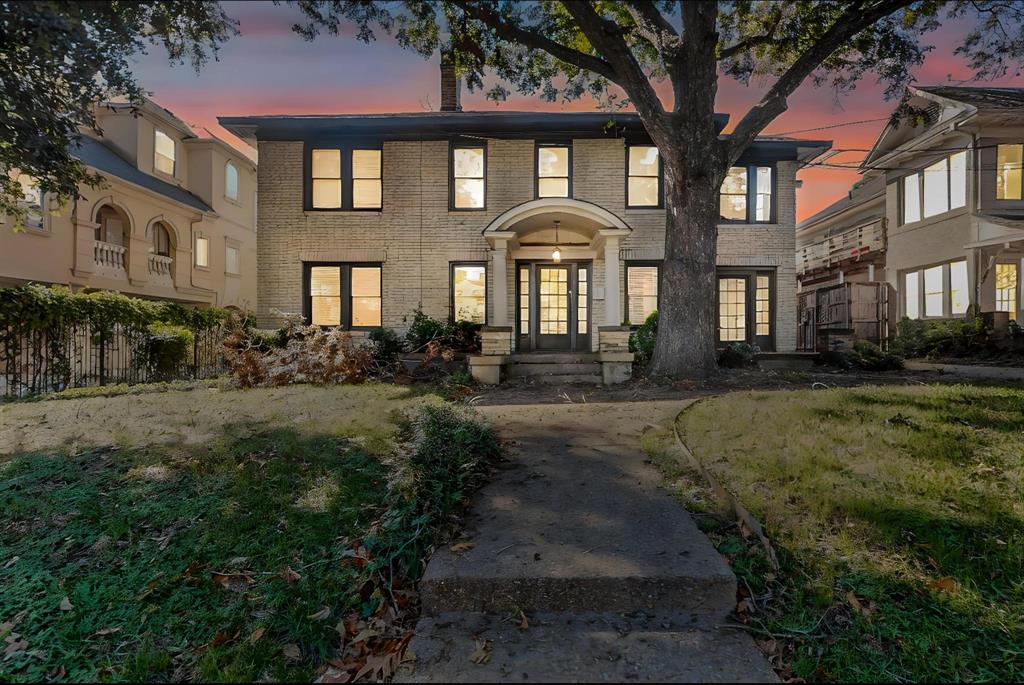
685	346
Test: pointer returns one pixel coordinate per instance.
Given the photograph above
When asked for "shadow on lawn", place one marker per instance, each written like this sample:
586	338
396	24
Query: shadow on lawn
133	539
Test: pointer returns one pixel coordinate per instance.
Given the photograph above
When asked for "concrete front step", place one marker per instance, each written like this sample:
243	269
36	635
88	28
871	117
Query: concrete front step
564	379
517	370
554	358
609	647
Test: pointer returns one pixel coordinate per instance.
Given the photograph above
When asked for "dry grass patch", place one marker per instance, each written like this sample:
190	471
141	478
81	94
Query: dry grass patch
900	515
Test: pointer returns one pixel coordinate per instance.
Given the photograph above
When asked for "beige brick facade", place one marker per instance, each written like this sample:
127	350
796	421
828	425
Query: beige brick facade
415	236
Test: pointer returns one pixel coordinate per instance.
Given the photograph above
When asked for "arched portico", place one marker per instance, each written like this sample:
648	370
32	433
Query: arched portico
526	235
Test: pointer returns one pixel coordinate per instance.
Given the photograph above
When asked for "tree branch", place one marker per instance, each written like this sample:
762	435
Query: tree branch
752	41
645	12
512	33
849	24
606	37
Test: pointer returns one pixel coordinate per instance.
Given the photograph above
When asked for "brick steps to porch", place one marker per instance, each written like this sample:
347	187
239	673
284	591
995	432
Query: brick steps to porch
556	368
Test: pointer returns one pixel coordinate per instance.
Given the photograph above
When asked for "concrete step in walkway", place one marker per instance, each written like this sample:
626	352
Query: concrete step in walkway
613	575
587	648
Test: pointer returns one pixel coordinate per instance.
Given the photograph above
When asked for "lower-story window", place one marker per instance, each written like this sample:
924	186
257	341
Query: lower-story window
641	291
469	292
935	292
346	295
1006	289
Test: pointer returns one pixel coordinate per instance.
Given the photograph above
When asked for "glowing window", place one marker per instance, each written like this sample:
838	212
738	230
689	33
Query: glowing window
326	179
469	292
644	180
468	180
163	153
367	188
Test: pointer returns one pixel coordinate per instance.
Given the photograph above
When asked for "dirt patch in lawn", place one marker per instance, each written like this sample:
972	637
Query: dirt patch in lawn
192	417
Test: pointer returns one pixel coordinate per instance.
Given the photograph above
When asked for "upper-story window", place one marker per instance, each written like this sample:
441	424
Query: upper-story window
746	195
231	181
643	176
32	199
326	179
936	189
367	189
163	153
554	170
469	176
1009	177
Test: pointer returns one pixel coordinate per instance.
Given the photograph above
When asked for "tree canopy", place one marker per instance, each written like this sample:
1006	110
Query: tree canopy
58	59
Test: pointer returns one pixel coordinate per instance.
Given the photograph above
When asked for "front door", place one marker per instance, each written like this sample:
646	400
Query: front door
553	307
746	308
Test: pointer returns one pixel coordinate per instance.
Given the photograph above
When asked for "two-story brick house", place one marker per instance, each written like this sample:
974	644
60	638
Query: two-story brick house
938	220
547	227
176	219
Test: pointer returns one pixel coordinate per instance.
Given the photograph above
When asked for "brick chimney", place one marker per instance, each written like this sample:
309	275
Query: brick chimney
451	84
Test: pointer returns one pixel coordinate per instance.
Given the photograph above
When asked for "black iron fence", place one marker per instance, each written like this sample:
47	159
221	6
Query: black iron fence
78	355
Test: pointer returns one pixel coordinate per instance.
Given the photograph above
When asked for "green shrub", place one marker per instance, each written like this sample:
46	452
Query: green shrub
462	336
386	346
167	348
943	338
641	341
738	355
871	357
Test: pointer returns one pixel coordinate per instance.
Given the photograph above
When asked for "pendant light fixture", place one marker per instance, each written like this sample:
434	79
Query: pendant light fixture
556	254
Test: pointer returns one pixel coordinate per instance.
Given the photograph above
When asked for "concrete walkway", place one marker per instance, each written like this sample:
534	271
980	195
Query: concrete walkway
612	576
976	372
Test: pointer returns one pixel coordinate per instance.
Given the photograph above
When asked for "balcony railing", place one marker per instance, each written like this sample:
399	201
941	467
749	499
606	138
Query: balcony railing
109	257
852	244
159	265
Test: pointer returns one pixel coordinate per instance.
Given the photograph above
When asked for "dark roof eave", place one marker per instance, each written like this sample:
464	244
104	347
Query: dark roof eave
430	125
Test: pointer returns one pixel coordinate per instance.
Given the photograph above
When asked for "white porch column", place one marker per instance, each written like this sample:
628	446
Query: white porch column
499	282
612	303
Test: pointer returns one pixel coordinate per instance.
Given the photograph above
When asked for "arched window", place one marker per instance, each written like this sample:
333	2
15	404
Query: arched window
231	181
161	241
113	226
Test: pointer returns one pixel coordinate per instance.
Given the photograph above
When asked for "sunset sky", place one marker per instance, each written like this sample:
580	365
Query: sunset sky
268	69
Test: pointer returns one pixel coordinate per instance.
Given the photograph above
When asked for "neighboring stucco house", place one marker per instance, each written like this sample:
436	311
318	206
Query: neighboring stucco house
546	227
176	220
939	217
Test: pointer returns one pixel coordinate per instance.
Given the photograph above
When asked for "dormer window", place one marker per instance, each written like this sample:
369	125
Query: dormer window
163	153
231	181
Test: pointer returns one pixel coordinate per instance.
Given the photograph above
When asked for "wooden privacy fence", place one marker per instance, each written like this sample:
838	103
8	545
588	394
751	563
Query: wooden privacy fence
854	309
36	360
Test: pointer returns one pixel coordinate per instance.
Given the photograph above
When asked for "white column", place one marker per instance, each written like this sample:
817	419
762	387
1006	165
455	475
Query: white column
499	282
612	303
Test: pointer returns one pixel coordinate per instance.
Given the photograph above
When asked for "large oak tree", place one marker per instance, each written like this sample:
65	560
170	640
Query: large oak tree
573	48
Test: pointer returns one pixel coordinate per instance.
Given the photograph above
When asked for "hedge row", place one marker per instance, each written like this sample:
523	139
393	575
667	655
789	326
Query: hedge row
37	307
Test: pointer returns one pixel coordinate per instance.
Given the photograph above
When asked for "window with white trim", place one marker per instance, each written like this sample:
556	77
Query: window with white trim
939	291
936	189
232	264
1009	174
1006	289
202	251
164	153
32	199
231	181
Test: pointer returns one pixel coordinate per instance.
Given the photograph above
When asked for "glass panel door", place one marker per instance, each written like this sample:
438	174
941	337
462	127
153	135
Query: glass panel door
553	308
732	309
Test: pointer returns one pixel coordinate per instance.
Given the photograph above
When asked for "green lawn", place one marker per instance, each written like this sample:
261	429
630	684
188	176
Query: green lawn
233	559
899	515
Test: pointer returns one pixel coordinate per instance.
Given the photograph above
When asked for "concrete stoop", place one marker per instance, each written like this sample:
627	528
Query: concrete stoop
614	578
589	648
